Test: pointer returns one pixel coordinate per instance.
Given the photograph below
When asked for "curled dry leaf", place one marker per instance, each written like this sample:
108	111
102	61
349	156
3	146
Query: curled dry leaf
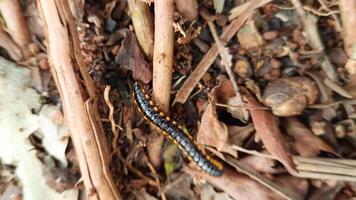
306	142
213	132
267	129
237	185
224	91
130	57
290	96
226	94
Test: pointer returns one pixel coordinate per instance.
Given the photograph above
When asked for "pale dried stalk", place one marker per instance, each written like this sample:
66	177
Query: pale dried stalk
316	168
85	131
142	21
15	22
189	84
114	129
163	53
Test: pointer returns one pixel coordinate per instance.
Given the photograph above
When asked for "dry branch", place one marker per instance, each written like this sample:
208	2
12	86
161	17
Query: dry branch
86	132
142	21
163	53
162	67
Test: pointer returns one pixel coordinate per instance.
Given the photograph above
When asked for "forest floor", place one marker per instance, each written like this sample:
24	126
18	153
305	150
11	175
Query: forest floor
125	100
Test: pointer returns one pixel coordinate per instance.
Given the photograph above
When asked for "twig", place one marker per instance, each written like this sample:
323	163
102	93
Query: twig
162	66
253	152
320	13
114	130
338	26
163	53
244	106
142	21
157	180
86	132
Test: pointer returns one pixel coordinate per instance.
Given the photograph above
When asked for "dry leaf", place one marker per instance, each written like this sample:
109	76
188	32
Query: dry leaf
237	185
223	91
181	188
267	129
249	37
306	142
298	186
226	94
130	57
239	133
290	96
208	193
213	132
262	164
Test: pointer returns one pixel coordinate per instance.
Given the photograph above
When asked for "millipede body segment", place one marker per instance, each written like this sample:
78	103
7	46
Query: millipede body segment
175	133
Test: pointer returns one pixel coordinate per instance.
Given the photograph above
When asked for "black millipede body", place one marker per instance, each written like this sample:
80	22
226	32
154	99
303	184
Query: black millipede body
175	133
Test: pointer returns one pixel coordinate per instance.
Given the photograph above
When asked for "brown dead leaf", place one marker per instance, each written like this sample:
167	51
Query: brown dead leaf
180	188
226	94
298	186
262	164
224	91
266	125
130	57
237	185
239	133
306	142
249	36
213	132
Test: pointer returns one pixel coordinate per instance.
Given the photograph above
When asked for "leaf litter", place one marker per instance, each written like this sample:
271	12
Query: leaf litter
294	141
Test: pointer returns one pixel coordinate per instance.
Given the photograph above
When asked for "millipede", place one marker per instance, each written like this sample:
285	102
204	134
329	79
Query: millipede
175	133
